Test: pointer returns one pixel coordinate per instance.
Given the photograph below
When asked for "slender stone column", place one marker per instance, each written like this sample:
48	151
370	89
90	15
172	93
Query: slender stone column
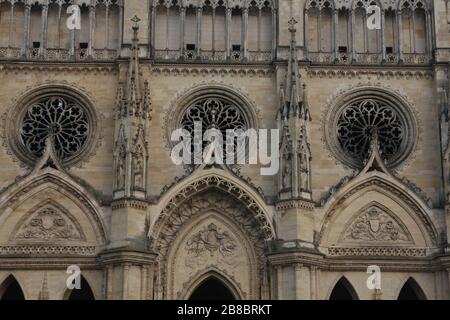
152	31
119	45
109	281
199	32
298	278
228	32
44	28
213	46
11	25
126	275
280	280
107	26
335	33
313	282
182	32
144	278
400	36
352	32
383	27
274	33
245	32
429	42
91	29
26	33
306	34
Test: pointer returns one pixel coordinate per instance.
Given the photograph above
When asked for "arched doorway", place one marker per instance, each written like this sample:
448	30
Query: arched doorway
11	290
411	291
84	293
343	290
212	289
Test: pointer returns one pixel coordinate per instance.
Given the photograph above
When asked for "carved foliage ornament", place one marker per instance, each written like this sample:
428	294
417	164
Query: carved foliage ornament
375	225
48	224
211	241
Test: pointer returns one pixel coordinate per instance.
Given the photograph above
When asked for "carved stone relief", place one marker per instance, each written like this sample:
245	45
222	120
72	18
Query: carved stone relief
376	225
48	224
208	243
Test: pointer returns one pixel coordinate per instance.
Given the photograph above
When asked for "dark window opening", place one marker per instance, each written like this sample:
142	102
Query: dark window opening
190	47
342	49
36	44
212	289
84	45
236	47
389	50
343	291
84	293
13	290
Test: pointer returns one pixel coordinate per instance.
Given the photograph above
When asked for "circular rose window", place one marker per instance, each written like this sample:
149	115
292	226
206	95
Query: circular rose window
52	112
62	118
354	124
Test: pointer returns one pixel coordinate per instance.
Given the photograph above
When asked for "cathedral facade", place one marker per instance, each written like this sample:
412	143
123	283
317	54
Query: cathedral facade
92	205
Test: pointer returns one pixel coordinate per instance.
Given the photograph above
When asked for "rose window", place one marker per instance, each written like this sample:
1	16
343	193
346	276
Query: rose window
64	119
359	121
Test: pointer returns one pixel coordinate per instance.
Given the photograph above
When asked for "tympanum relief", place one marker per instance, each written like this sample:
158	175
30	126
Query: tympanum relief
376	225
48	224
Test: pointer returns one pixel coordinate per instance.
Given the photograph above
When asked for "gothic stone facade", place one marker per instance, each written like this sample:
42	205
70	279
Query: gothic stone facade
86	176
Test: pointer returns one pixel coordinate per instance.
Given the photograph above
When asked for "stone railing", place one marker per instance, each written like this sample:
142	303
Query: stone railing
57	54
10	53
367	58
213	55
415	58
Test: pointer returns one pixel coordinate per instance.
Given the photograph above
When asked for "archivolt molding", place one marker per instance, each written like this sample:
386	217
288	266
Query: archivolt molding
212	179
9	119
174	110
61	182
177	214
334	102
392	188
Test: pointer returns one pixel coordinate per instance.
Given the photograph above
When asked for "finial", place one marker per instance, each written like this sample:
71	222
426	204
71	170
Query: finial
292	22
136	21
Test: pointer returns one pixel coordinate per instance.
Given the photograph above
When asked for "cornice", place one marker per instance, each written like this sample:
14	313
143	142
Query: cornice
105	68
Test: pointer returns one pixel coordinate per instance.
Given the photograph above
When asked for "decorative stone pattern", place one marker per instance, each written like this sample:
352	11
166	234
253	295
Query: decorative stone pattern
377	252
210	241
48	225
374	225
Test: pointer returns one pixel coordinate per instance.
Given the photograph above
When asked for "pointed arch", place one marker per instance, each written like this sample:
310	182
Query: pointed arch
411	290
212	274
213	178
390	187
84	293
60	182
343	290
215	215
10	289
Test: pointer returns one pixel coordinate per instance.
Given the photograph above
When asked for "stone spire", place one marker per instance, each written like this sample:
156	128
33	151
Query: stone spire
132	116
293	104
293	119
44	294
